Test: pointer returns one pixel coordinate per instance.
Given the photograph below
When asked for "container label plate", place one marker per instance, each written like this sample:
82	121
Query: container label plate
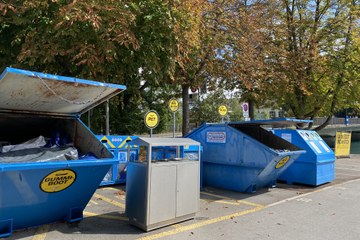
282	162
286	136
216	137
58	181
317	149
324	146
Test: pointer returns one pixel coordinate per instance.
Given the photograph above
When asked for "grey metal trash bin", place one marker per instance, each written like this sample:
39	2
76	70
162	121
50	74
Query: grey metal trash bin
161	190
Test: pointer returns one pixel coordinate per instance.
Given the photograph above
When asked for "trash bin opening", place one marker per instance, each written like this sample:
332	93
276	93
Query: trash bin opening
18	128
265	137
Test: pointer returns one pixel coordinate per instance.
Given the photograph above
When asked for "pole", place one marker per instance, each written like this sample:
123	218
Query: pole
89	117
174	126
107	117
150	132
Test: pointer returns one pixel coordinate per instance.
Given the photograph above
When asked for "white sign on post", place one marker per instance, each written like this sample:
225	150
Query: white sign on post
245	108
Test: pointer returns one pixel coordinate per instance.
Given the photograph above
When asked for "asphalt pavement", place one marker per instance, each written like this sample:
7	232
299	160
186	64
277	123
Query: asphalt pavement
296	212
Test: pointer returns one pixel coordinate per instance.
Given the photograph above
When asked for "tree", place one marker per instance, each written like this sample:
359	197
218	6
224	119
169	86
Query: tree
162	29
314	45
77	38
243	31
205	109
199	41
114	41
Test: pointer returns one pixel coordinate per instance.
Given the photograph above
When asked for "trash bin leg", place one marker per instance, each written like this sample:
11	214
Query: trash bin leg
6	227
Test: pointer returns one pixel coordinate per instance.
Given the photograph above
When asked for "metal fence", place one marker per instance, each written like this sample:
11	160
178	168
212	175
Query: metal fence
336	121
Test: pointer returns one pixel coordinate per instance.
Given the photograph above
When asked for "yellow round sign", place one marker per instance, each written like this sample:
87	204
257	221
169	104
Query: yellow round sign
173	105
282	162
152	119
222	110
58	181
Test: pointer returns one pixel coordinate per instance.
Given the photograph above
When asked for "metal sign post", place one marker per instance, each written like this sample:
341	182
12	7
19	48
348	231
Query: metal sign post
107	117
174	125
174	106
151	120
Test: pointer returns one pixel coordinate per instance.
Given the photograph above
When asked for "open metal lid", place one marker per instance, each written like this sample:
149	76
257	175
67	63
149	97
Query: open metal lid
24	91
160	141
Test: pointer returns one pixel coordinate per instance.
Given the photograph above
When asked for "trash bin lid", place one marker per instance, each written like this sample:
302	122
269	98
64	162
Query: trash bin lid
46	94
162	142
278	122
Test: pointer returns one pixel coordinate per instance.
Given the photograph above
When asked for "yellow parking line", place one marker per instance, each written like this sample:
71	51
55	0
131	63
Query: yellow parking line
113	202
220	201
238	201
41	232
92	201
110	188
90	214
121	197
176	226
231	216
227	202
200	224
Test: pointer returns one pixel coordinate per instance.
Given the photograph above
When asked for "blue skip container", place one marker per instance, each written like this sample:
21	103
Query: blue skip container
242	156
33	191
314	168
117	145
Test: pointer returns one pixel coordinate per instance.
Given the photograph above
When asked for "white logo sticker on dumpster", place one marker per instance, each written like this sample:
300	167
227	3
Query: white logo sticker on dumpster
216	137
58	181
282	162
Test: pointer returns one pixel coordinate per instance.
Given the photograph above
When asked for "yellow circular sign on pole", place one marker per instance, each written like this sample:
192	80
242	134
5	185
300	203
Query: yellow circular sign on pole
152	119
173	105
222	110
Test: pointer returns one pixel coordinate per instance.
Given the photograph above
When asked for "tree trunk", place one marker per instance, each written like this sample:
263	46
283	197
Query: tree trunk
185	108
322	126
341	76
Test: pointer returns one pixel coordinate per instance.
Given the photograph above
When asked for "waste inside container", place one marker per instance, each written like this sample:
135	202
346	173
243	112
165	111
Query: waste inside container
317	166
117	145
53	184
162	182
242	156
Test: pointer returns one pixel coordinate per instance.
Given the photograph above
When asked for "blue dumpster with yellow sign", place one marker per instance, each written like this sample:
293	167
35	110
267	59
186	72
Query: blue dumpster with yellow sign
242	156
50	162
117	145
314	168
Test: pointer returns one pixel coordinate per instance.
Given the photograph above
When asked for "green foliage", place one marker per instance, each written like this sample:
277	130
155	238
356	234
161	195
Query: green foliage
313	57
114	41
76	38
205	109
302	55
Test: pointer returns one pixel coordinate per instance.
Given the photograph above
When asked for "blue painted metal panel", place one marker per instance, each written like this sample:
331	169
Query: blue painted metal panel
232	159
117	145
24	204
314	168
